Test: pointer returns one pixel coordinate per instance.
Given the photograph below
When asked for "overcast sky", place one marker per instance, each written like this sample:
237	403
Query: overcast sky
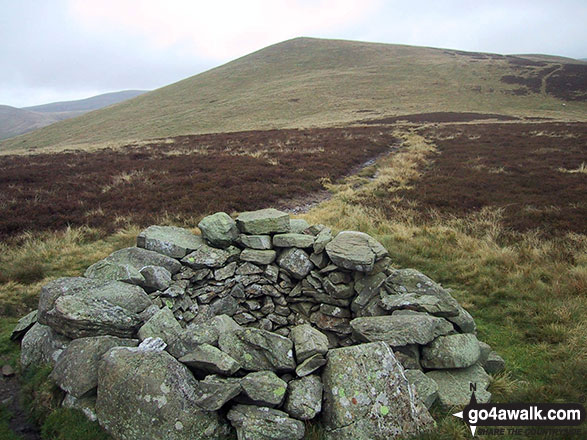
71	49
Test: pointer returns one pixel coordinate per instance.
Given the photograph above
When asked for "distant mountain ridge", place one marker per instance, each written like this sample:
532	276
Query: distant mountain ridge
16	121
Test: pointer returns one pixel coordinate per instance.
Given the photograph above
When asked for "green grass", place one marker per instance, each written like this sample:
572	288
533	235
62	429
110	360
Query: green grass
301	83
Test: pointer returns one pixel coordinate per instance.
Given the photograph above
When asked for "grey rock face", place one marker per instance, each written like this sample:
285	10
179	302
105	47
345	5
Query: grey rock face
109	271
214	392
138	258
225	272
219	229
355	251
60	287
260	242
156	278
293	240
210	359
308	341
41	345
298	225
263	221
451	351
258	350
398	330
23	325
454	385
426	388
78	317
264	388
258	256
310	365
150	395
161	325
295	262
206	257
367	288
260	423
76	370
169	240
304	398
322	239
367	395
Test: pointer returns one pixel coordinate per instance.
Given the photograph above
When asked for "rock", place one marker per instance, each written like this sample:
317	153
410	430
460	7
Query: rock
255	423
257	256
206	257
334	311
109	271
304	398
7	370
210	359
248	269
23	325
139	258
224	306
485	349
341	291
451	351
310	365
295	262
261	242
78	317
454	385
263	221
169	240
340	277
161	325
367	396
218	230
308	341
264	388
293	240
150	395
355	251
156	278
494	363
339	326
434	305
258	350
214	392
131	298
41	345
426	388
87	405
225	272
408	356
76	371
272	273
322	239
320	260
367	288
298	225
398	330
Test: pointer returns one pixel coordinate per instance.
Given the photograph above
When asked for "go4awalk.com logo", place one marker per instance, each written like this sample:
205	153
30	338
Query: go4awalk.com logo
547	420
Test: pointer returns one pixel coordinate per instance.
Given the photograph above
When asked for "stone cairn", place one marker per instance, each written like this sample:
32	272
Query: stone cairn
257	325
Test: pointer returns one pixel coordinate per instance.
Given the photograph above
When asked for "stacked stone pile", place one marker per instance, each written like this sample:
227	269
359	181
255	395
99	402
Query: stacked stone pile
258	324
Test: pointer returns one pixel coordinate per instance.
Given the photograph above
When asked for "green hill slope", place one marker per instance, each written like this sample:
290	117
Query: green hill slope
15	121
313	82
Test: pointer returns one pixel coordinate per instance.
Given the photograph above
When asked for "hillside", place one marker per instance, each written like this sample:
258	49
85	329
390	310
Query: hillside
309	82
15	121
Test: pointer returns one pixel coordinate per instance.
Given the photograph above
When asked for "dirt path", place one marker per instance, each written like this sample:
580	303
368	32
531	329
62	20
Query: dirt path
19	422
545	79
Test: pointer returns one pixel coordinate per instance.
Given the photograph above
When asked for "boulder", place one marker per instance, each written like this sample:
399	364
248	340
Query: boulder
76	370
367	396
304	398
308	341
258	350
293	240
109	271
258	256
398	330
260	423
169	240
454	386
355	251
494	363
298	225
218	229
261	242
138	258
206	257
161	325
263	221
210	359
264	388
426	388
156	278
41	345
146	394
214	392
78	317
23	325
451	351
295	262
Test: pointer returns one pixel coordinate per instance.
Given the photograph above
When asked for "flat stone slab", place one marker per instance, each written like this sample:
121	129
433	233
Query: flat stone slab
206	257
110	271
169	240
454	385
210	359
258	256
308	341
261	423
261	242
138	258
426	388
354	250
293	240
399	330
263	221
23	325
451	351
219	229
367	396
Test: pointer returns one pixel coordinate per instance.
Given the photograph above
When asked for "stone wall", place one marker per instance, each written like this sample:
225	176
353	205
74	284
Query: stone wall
257	325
